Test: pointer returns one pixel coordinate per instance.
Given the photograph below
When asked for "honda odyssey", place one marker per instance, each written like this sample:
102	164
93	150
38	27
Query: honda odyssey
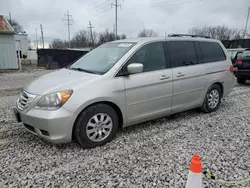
126	82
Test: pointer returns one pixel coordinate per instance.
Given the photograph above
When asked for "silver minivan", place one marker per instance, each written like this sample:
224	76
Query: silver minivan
125	82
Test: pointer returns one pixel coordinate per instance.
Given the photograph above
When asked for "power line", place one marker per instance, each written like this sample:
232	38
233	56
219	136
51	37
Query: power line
100	9
142	1
245	31
97	3
69	23
91	34
105	10
116	6
100	5
161	4
138	3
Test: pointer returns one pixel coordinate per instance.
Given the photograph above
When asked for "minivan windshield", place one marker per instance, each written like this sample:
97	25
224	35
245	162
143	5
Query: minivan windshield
103	58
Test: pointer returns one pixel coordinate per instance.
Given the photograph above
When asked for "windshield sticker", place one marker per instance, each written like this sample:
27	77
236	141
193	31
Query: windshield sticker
124	45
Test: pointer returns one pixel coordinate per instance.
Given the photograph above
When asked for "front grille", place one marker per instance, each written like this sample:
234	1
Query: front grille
24	100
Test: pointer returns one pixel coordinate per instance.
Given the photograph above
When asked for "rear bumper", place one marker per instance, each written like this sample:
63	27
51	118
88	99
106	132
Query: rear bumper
242	73
53	126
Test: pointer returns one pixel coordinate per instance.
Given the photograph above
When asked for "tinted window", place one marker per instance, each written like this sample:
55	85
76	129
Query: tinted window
212	52
182	53
151	56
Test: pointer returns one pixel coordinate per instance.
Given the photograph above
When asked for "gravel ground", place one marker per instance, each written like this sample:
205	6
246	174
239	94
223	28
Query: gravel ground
152	154
11	83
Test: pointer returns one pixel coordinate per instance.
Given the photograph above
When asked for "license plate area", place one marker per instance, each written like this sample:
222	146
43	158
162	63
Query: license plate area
246	64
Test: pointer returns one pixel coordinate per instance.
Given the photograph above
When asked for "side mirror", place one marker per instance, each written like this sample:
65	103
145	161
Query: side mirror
135	68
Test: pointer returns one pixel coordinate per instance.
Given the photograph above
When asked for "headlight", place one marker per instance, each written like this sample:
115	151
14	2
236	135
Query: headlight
53	101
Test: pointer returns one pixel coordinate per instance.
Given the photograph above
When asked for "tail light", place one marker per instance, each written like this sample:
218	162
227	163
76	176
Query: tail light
231	69
239	62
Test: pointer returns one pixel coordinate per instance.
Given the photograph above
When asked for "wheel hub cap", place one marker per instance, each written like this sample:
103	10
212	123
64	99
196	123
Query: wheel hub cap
213	98
99	127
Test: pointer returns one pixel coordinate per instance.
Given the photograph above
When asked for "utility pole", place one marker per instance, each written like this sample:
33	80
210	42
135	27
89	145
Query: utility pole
36	40
69	21
10	18
91	34
114	28
116	6
42	35
41	43
245	32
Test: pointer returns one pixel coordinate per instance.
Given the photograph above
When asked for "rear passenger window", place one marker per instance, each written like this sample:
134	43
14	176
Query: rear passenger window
182	53
212	52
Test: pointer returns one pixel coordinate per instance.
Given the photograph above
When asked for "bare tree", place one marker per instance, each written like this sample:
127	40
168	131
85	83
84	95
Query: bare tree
147	33
218	32
123	36
16	26
81	39
58	44
106	36
95	39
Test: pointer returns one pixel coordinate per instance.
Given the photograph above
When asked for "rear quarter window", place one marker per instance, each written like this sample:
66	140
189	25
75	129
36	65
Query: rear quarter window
212	52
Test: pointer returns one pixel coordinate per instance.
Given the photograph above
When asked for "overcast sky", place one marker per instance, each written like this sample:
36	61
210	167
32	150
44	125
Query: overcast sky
170	16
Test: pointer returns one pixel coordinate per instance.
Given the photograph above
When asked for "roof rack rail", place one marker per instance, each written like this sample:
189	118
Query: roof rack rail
187	35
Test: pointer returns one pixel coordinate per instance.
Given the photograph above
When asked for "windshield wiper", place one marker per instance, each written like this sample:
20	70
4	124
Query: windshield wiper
83	70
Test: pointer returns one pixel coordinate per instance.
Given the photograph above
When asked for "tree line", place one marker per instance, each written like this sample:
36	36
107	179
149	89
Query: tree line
219	32
83	38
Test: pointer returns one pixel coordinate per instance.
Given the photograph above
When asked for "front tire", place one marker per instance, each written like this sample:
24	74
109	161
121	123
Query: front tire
212	99
96	126
241	80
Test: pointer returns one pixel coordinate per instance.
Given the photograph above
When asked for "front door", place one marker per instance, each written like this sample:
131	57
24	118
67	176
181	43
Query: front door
149	94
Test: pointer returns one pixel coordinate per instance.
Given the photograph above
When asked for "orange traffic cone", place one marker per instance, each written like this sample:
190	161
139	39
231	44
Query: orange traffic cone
195	173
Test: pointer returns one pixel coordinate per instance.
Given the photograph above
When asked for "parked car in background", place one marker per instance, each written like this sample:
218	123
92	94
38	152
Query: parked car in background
123	83
234	53
242	67
237	55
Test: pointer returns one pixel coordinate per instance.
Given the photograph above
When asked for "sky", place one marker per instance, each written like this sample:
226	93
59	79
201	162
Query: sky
162	16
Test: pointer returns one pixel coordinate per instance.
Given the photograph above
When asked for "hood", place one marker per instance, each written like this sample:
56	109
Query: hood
62	79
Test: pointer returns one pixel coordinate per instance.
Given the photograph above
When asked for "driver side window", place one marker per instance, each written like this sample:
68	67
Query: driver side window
151	55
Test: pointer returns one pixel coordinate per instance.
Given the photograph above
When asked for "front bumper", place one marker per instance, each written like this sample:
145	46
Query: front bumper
242	73
53	126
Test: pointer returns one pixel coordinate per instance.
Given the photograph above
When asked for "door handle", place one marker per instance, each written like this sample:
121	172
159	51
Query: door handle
164	77
180	74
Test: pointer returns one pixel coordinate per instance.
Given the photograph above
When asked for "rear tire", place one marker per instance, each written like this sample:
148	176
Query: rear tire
241	80
96	126
212	99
